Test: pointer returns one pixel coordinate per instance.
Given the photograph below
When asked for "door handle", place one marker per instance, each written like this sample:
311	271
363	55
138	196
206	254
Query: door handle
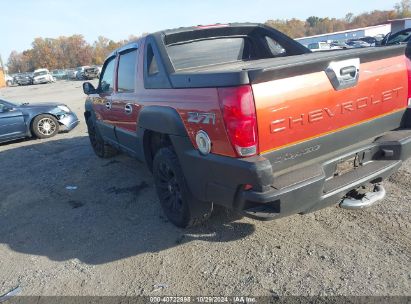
128	109
108	105
343	74
349	71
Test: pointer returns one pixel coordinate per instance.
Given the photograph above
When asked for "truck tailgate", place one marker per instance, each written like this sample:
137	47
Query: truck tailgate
307	111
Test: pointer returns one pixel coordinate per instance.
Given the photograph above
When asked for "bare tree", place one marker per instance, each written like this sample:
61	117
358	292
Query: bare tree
403	8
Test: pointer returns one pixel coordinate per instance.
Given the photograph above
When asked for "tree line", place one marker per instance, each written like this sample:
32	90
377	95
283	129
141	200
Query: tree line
63	52
74	51
314	25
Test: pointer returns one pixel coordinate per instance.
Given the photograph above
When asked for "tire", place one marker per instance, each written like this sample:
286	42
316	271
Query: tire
9	83
176	200
45	126
100	147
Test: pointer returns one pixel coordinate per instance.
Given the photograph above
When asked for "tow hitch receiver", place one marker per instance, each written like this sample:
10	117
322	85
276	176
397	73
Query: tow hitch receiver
360	201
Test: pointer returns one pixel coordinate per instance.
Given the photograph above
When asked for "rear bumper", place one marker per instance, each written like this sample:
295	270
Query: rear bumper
313	193
305	189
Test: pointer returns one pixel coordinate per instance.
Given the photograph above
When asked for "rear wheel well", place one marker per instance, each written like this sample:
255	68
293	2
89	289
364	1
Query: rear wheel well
154	141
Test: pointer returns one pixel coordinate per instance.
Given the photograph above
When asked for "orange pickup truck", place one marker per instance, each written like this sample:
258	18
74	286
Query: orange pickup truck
243	116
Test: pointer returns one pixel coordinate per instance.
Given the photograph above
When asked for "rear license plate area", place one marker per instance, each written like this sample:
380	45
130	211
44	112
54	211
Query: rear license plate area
346	165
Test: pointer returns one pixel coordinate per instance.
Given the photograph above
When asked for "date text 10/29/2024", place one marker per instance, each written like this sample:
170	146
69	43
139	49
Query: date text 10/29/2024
203	299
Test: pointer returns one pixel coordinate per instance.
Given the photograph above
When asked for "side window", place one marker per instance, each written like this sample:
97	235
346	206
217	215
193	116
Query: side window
275	48
127	71
107	80
1	107
155	76
151	62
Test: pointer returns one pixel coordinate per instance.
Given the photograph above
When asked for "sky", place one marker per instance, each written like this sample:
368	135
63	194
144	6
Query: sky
24	20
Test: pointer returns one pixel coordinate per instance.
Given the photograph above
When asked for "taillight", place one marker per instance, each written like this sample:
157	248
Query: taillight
237	105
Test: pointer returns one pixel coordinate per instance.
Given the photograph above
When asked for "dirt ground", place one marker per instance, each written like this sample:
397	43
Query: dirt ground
109	236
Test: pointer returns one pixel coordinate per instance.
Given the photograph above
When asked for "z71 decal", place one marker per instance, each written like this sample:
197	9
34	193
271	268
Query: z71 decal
204	118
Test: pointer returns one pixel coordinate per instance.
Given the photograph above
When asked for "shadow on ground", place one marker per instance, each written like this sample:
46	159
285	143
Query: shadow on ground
110	213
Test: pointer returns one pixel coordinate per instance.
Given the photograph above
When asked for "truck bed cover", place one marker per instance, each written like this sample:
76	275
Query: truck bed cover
255	71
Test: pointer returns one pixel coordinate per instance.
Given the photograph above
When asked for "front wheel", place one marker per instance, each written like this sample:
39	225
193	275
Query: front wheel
45	126
100	147
178	204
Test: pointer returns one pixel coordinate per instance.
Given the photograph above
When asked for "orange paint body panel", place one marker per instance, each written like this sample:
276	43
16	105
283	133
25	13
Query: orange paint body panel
193	100
301	108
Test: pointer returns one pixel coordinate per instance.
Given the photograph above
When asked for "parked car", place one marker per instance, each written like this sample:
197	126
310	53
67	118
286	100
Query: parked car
219	118
372	41
92	72
323	46
59	74
379	38
401	37
357	44
23	79
71	74
42	76
339	45
80	72
319	46
41	120
9	80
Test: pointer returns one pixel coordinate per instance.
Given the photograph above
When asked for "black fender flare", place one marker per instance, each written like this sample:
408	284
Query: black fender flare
88	109
161	119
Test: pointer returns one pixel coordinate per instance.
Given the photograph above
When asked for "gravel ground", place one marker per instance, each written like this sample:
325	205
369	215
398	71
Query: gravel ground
109	236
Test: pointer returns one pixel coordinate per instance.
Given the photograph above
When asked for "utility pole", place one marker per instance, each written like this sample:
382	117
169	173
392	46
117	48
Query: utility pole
2	73
5	69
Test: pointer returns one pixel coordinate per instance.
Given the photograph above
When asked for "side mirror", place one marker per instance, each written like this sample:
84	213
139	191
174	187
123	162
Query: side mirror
88	88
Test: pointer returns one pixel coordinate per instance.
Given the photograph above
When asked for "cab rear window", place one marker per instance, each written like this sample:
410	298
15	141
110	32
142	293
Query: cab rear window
210	51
